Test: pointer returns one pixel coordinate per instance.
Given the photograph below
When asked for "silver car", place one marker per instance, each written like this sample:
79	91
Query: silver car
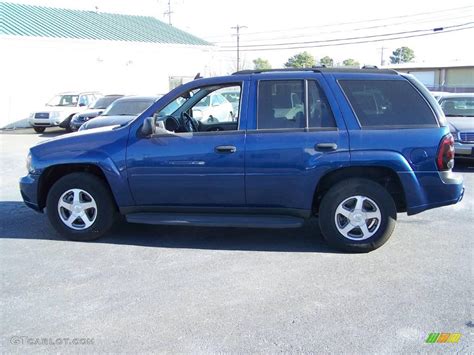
459	112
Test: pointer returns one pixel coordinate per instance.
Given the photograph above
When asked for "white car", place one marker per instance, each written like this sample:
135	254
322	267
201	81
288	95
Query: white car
214	108
459	112
60	109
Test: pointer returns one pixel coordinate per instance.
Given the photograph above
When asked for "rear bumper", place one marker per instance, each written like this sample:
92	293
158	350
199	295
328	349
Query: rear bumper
447	188
464	150
29	191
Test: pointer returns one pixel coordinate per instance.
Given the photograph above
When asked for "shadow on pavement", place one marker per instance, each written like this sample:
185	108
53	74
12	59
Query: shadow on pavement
463	166
20	222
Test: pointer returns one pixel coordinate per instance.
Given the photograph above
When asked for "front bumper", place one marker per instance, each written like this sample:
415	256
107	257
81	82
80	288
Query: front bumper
44	122
29	191
464	150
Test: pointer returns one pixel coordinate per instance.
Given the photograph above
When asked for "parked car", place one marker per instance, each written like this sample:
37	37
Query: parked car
121	112
459	111
349	159
95	110
233	97
214	108
60	109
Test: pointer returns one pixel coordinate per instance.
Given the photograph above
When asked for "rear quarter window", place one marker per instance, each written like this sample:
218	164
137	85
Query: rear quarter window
388	103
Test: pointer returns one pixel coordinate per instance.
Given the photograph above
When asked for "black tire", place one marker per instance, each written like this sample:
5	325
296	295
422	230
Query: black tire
106	211
39	129
66	124
345	190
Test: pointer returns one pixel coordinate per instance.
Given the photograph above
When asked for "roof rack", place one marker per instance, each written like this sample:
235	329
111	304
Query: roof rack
315	69
322	69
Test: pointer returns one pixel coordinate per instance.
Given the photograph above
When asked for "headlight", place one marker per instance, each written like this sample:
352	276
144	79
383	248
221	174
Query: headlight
54	114
29	166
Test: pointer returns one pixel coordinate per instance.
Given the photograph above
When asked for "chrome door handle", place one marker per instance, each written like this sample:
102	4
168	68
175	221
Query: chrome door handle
325	146
226	149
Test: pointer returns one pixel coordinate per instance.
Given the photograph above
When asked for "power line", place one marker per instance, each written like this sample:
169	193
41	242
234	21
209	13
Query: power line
354	22
264	45
354	29
355	42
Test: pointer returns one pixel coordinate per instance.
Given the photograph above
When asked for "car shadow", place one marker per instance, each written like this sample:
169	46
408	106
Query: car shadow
20	222
463	166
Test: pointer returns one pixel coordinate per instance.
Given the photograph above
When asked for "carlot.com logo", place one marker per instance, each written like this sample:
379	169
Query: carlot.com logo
443	338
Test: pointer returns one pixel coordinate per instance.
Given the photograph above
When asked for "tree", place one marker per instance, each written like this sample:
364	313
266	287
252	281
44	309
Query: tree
261	64
402	55
301	60
327	61
351	63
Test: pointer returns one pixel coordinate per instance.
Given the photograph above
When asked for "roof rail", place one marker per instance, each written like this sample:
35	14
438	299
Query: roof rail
370	67
258	71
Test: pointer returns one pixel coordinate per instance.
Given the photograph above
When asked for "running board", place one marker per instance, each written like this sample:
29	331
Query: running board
216	220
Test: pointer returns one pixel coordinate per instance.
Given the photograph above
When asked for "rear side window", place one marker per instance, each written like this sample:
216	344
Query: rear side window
281	105
392	103
320	114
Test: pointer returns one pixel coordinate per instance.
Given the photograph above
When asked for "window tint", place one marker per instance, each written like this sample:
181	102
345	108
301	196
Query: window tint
281	104
387	103
320	114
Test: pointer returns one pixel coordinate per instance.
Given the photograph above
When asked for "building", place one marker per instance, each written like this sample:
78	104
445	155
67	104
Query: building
50	50
453	77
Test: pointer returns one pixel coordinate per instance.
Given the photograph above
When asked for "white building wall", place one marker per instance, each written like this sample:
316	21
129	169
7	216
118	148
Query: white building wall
32	70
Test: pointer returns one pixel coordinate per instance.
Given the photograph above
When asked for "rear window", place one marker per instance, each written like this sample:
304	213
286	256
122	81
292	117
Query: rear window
388	103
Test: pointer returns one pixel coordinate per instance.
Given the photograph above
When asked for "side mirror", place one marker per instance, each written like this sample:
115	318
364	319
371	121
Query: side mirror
148	127
82	104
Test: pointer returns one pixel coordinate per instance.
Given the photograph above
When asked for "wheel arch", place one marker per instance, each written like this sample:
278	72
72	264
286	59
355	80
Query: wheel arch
382	175
53	173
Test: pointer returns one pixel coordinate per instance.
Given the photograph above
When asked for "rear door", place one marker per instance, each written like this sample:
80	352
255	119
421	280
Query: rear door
295	135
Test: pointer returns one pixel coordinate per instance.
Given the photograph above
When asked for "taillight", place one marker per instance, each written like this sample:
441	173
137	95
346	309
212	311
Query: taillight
445	156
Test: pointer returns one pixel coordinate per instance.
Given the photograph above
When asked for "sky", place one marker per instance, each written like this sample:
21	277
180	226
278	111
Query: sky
289	22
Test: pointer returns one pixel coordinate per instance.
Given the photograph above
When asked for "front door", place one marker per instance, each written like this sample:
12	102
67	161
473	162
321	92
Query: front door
203	168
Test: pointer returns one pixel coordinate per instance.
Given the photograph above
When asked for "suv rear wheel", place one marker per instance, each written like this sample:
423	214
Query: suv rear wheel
357	215
80	207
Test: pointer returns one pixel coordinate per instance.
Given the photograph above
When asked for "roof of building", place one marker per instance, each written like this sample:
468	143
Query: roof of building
40	21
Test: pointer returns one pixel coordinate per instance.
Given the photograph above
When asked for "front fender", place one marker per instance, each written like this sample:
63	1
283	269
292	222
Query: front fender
106	151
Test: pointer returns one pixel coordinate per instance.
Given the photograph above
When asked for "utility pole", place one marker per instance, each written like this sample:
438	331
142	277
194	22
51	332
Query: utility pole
238	28
168	13
381	49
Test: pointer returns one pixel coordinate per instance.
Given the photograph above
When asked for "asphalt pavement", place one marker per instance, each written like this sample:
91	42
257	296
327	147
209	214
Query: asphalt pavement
202	290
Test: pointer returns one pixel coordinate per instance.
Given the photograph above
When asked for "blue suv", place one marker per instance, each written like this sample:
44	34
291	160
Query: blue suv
350	147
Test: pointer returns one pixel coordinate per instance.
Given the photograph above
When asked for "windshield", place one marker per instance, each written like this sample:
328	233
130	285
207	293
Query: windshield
458	106
104	102
63	100
127	107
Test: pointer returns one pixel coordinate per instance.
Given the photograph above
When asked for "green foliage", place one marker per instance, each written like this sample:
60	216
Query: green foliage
301	60
327	61
402	55
351	63
261	64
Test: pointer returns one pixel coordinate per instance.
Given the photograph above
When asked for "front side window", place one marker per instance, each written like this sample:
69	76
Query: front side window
201	110
387	103
281	105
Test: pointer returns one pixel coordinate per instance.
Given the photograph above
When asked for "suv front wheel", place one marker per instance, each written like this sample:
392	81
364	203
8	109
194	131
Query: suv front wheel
80	207
357	215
